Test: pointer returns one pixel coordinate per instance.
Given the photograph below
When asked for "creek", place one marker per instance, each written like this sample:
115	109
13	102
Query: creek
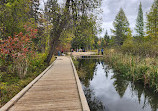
107	90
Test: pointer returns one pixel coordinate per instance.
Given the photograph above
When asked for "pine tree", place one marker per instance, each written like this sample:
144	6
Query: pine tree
121	26
106	38
152	21
140	23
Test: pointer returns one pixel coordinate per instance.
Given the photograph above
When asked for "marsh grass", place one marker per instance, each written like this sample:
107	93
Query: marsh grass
137	68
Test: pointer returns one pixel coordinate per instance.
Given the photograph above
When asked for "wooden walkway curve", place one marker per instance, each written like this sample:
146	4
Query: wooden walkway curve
56	90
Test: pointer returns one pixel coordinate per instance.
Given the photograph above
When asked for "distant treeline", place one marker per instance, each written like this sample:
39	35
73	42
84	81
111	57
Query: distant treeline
144	42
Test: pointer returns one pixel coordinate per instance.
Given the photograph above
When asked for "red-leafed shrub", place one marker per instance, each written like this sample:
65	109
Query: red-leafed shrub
18	49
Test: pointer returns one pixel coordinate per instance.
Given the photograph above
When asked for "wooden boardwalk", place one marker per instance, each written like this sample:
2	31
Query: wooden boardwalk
85	55
57	90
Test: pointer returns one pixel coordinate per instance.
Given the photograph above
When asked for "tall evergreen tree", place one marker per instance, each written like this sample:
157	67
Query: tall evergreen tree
106	38
140	22
121	26
152	21
84	34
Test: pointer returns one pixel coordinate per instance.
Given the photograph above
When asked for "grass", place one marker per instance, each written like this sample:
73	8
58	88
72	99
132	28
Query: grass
137	68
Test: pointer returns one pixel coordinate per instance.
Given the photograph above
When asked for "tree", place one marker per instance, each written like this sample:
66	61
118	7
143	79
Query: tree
140	23
152	21
85	33
67	16
14	14
34	10
95	45
17	50
58	20
102	42
106	38
121	26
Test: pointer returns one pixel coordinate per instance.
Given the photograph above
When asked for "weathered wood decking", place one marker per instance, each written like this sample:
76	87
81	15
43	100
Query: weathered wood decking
85	55
56	90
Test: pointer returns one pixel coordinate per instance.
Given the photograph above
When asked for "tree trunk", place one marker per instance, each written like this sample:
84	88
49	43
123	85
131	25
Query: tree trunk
51	51
62	22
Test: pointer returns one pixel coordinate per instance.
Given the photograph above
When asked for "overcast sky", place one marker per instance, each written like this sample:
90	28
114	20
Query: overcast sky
111	7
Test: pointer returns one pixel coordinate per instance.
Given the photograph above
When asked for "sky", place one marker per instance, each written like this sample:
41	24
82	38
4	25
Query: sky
110	9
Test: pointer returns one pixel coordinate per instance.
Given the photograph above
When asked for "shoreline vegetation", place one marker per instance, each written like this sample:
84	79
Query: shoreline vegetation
136	68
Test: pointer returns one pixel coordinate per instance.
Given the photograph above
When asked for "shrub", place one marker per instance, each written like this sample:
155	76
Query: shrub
141	48
17	50
11	84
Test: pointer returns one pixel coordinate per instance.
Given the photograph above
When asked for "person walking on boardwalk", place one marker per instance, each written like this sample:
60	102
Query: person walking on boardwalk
102	51
59	53
98	51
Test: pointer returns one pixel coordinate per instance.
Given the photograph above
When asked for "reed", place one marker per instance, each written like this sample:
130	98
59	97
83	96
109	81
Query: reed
136	68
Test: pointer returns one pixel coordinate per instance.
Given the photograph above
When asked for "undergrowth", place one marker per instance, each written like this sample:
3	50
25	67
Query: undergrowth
11	84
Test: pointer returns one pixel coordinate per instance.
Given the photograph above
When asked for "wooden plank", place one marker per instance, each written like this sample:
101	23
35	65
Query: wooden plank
55	91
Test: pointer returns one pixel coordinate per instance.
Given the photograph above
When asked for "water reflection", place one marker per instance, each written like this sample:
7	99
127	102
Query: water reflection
109	91
120	84
93	102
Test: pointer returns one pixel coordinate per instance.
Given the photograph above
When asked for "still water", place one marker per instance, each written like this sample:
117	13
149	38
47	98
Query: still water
107	90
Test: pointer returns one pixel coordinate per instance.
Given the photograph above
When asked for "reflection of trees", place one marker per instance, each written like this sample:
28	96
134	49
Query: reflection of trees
87	68
106	70
150	97
120	84
93	102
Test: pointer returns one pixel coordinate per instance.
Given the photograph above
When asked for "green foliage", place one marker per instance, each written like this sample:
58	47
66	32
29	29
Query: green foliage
13	16
85	33
137	68
146	48
142	45
103	43
11	84
140	23
95	45
85	70
34	10
121	26
71	16
16	51
107	38
152	21
37	62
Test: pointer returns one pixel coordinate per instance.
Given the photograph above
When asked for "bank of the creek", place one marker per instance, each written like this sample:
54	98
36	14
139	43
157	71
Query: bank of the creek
107	90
